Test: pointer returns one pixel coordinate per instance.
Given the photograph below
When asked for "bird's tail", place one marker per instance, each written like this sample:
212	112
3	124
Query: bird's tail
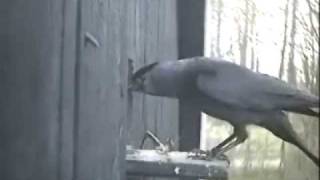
295	140
281	127
313	158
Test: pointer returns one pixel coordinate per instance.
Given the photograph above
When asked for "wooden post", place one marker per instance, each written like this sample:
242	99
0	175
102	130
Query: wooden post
191	43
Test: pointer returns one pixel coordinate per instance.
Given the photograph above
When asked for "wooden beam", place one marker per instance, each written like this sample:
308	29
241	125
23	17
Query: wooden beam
191	43
190	17
156	163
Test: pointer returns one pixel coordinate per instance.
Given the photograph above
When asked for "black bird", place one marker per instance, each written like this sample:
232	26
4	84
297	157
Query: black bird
232	93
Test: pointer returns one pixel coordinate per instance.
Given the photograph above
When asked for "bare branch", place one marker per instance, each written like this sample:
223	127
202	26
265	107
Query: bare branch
311	13
283	50
312	9
292	74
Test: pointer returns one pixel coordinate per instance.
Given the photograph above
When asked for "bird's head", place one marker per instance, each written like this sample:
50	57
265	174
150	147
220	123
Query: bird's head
141	78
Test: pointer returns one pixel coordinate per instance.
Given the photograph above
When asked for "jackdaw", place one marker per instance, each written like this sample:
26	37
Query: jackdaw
231	93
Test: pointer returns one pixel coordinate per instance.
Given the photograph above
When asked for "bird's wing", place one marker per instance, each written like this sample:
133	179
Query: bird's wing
246	89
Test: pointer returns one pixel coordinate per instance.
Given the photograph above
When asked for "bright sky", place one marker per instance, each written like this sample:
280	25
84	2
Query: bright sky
269	26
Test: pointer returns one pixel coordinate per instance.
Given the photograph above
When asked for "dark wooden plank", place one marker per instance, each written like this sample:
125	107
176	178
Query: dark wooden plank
30	92
190	43
4	55
191	28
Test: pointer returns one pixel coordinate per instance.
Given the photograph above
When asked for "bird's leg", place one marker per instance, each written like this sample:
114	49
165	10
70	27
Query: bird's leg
214	151
230	146
223	143
241	135
201	154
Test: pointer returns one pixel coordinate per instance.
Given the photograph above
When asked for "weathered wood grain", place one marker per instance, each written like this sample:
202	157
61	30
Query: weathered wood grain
63	103
30	90
151	163
153	38
64	108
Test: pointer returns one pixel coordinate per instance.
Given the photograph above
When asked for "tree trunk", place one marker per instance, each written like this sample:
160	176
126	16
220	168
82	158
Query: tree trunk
219	14
244	40
212	43
257	65
317	79
306	71
312	12
291	65
252	34
284	42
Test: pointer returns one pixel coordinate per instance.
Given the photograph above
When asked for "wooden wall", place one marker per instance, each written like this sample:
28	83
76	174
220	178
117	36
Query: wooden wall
63	99
30	97
153	38
64	108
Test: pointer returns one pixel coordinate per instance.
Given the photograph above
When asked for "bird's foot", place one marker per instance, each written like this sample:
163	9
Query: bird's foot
199	154
215	153
210	155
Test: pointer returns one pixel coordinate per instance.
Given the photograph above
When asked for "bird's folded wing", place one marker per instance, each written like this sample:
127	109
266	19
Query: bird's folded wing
253	91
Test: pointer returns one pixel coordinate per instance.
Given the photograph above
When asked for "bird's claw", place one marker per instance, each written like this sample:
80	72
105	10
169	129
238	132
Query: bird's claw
217	154
208	155
198	154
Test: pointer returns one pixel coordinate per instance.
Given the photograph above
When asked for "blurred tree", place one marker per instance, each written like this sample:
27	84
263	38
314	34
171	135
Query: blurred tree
253	34
212	45
243	40
292	73
284	42
219	19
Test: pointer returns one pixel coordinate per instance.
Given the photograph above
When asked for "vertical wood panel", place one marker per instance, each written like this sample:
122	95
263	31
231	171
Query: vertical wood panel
4	37
43	78
153	37
63	103
101	103
67	89
30	90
